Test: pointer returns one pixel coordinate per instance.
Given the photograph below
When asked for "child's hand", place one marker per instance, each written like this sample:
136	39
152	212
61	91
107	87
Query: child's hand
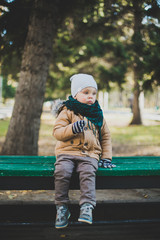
78	126
105	163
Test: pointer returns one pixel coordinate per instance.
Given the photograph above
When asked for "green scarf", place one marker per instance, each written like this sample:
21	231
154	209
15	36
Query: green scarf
92	112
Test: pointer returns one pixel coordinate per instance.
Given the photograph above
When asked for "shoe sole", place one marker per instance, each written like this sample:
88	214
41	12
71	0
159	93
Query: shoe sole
84	220
63	226
60	227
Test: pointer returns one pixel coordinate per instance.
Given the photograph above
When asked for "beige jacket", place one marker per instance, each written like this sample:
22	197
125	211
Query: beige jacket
81	144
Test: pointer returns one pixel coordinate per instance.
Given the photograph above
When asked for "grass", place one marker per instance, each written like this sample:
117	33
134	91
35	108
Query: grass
3	127
136	135
45	129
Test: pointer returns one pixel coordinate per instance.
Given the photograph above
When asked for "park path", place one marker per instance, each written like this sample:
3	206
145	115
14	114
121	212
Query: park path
6	112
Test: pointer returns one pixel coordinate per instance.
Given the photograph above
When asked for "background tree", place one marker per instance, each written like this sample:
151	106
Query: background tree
130	48
107	38
121	37
23	131
22	135
141	48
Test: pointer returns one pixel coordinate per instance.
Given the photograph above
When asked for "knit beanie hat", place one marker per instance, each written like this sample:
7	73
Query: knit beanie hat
80	81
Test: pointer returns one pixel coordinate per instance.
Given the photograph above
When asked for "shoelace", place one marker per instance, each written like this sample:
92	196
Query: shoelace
86	209
61	212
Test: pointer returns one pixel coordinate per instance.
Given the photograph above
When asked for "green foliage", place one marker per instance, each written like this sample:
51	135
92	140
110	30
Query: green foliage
95	47
108	49
152	58
8	91
114	74
13	29
96	37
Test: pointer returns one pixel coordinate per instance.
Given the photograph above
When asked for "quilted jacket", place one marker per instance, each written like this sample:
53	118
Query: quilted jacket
81	144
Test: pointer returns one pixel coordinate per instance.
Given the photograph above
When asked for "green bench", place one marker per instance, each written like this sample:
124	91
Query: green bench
36	172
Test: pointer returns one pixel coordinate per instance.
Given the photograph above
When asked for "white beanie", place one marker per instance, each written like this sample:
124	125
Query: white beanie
80	81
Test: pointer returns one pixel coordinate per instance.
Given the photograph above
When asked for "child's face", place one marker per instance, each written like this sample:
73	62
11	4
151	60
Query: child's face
87	95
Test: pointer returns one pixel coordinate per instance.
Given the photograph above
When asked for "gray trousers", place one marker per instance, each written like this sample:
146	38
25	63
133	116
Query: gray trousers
64	167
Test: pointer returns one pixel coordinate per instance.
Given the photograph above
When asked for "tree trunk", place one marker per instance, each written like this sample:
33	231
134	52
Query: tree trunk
135	107
137	39
23	131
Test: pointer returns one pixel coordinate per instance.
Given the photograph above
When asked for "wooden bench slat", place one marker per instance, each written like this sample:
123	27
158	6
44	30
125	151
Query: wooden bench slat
44	166
26	170
27	159
128	172
48	171
52	159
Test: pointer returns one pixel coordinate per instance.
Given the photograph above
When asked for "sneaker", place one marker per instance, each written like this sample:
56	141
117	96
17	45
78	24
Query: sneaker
62	216
86	213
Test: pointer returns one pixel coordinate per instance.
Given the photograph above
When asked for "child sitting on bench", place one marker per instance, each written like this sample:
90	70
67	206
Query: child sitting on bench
83	139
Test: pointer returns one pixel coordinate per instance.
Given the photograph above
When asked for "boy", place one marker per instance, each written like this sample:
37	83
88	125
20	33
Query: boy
83	139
